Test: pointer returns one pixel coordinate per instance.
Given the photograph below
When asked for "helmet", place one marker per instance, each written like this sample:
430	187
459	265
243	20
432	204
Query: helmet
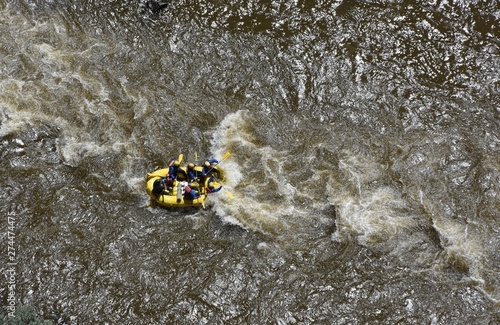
177	163
191	165
207	163
211	185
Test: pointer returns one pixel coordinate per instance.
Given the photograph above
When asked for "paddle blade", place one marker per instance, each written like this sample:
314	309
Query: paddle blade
229	195
180	158
227	154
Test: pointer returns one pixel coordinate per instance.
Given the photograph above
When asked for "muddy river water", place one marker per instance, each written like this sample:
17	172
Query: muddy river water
365	160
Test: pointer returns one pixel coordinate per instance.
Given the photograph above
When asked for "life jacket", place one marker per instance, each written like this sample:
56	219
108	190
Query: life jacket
158	187
190	194
192	173
177	173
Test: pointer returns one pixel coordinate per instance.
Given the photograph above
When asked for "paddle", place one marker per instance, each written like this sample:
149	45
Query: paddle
229	194
196	173
196	163
179	189
227	154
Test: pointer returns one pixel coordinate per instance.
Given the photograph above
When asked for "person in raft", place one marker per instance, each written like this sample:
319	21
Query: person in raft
190	193
192	173
175	170
208	167
213	185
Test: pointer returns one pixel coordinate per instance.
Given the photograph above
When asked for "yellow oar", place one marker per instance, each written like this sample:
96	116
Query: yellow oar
180	158
229	194
227	154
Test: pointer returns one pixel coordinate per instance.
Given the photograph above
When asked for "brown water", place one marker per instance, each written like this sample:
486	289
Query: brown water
365	161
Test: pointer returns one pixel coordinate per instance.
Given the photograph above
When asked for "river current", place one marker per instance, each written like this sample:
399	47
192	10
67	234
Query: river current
364	141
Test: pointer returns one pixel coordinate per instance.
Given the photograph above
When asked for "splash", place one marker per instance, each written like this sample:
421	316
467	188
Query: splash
265	200
369	208
374	217
462	251
64	90
406	223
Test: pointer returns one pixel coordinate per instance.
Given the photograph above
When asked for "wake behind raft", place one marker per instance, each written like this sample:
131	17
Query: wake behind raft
185	186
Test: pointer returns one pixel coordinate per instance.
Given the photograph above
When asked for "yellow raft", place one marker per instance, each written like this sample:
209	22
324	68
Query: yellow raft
173	193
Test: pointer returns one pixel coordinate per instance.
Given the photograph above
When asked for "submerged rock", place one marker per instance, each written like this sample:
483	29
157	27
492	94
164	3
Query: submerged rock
156	6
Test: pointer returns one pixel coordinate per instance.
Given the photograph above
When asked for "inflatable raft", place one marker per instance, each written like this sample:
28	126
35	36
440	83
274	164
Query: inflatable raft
177	192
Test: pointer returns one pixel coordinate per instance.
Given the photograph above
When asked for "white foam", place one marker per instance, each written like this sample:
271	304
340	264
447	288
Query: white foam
373	217
263	194
371	212
14	118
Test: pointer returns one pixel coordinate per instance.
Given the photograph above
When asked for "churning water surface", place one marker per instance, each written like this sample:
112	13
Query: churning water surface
365	161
